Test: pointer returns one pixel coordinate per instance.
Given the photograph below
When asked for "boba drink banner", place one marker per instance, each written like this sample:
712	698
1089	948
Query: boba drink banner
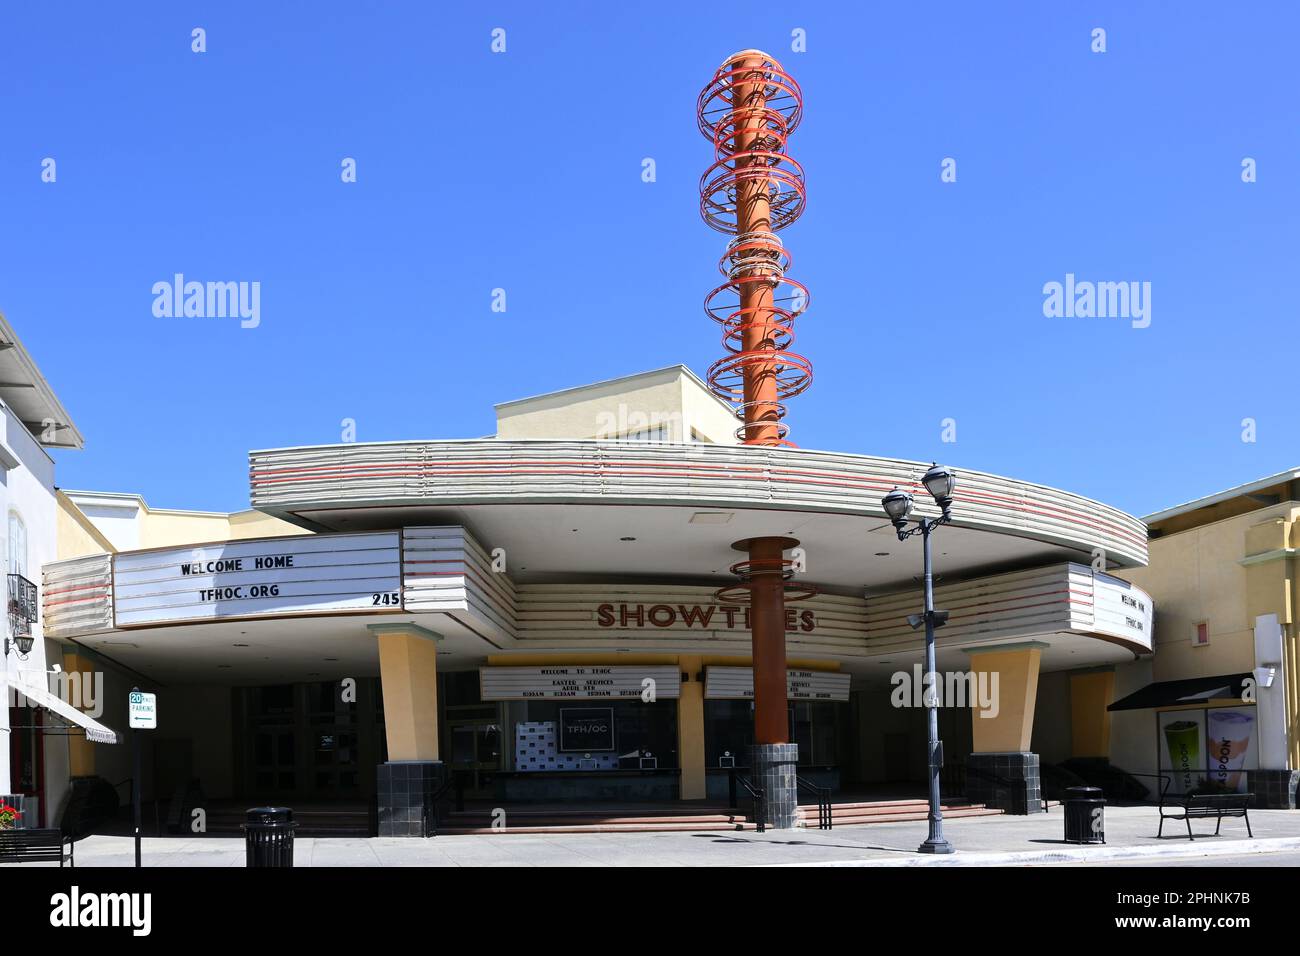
1208	749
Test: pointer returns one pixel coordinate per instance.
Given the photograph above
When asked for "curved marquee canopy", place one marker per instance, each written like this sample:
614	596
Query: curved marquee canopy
681	506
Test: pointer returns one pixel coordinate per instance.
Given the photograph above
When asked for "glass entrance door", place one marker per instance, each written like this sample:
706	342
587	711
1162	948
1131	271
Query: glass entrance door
275	759
476	752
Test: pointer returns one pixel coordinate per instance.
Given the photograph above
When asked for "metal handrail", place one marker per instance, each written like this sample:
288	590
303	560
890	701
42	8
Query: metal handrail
825	813
756	792
430	808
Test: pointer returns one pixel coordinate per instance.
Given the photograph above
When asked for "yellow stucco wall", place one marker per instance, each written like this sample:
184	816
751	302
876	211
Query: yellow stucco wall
254	524
1198	575
666	397
1090	694
162	529
76	536
166	528
706	416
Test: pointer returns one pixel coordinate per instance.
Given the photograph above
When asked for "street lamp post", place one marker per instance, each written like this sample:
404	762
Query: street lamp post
939	482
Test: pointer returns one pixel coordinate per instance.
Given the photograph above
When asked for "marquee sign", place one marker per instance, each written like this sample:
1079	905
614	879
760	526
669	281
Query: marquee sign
1121	609
737	683
267	577
579	683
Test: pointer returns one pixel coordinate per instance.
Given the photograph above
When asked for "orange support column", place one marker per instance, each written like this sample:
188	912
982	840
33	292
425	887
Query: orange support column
767	640
774	758
761	409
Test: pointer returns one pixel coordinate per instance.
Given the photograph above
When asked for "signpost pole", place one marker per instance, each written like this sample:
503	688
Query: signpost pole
135	792
142	714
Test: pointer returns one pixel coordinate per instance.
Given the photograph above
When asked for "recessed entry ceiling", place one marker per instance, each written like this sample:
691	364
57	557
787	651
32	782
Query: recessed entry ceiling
547	543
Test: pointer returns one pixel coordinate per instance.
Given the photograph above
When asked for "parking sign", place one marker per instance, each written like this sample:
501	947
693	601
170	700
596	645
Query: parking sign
143	711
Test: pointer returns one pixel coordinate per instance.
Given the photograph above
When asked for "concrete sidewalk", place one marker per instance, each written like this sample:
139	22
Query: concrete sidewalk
996	840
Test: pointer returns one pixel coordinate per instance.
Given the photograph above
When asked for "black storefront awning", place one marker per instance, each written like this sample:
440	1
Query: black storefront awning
1171	693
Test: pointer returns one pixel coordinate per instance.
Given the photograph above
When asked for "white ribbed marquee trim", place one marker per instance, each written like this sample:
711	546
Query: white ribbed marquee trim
445	571
298	481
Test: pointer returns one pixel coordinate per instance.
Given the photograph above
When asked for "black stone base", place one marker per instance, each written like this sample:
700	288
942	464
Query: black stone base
773	767
1274	789
1005	781
406	788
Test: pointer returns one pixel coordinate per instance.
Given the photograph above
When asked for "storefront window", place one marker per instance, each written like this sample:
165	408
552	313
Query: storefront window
1211	749
17	545
595	735
277	699
325	703
729	730
460	688
459	695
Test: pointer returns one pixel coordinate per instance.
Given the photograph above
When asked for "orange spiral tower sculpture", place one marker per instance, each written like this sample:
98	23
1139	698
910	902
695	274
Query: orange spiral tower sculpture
750	192
753	190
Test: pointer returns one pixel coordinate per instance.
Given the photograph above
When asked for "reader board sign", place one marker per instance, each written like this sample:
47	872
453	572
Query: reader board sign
1119	608
737	683
563	682
268	577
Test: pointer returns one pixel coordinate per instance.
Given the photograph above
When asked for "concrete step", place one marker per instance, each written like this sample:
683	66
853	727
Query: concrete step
338	821
656	827
518	820
671	821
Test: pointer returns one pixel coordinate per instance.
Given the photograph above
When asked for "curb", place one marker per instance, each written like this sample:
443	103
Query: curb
1077	854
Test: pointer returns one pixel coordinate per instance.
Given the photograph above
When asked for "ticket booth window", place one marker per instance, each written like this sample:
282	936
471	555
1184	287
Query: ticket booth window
640	736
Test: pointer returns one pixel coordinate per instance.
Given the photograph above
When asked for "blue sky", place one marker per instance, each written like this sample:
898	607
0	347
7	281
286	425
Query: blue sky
522	171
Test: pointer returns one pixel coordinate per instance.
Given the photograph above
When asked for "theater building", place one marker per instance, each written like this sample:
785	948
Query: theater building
545	611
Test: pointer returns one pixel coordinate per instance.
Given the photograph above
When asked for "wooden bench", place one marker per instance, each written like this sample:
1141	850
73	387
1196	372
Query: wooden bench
1189	806
36	846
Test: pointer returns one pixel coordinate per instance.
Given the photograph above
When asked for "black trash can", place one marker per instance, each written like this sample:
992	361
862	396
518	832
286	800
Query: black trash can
1085	820
268	836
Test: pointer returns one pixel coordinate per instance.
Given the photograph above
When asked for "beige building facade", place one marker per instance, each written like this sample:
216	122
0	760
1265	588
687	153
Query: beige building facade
1222	572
